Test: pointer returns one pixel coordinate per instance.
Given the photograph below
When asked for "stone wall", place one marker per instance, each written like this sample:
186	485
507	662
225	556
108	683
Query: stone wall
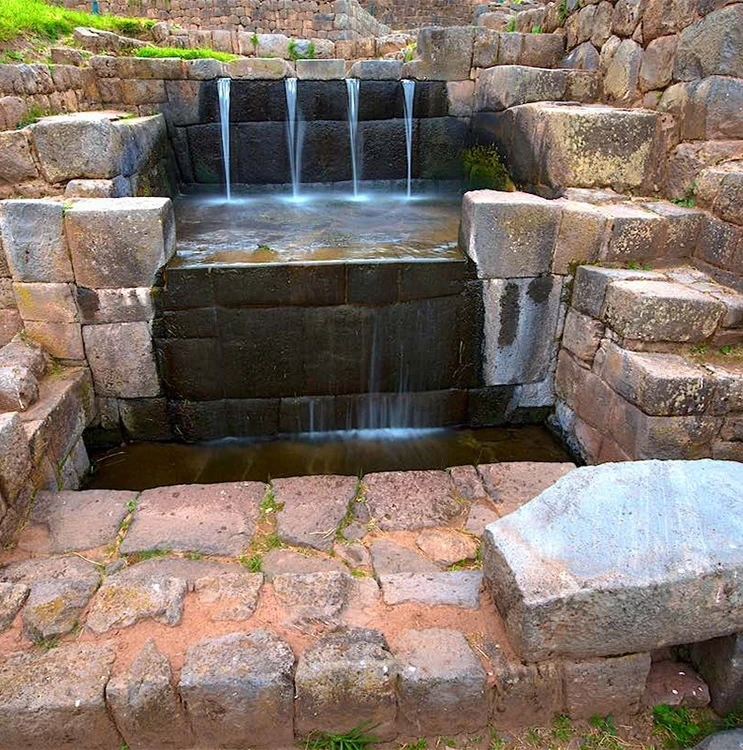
327	19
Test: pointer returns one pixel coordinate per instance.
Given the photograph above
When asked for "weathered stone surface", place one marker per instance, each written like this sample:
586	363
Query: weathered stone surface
521	328
136	594
446	53
115	305
32	237
47	302
270	45
24	353
231	596
553	562
217	519
18	388
116	188
511	485
479	517
12	598
584	57
605	686
239	686
54	607
581	236
656	70
354	555
712	46
56	699
673	683
122	359
459	588
345	679
442	683
145	704
313	599
660	311
259	68
15	459
730	740
80	520
119	242
621	82
278	561
60	340
591	283
720	662
582	335
634	234
313	508
467	483
16	162
410	499
659	384
375	70
507	86
509	235
321	70
10	325
389	557
446	546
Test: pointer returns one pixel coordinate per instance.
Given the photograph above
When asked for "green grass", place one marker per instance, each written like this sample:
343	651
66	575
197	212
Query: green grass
679	727
254	564
34	18
184	54
357	738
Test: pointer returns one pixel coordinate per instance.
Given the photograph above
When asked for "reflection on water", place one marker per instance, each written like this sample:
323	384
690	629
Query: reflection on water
321	224
140	466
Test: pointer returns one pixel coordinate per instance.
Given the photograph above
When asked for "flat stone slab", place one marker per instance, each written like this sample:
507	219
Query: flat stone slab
56	699
215	519
55	607
136	594
457	588
621	558
730	740
313	508
231	596
82	519
279	561
447	546
389	557
411	499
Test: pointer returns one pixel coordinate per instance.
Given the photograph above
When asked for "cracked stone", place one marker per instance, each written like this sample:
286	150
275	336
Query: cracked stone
313	508
135	594
232	596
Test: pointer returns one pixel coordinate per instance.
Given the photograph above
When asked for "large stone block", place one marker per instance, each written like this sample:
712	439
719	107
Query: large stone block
122	360
239	686
446	53
712	46
115	305
47	302
259	68
120	242
16	162
61	340
442	683
634	233
15	459
509	235
592	282
656	70
661	311
606	686
551	566
581	236
713	110
521	317
321	70
720	662
32	235
621	81
506	86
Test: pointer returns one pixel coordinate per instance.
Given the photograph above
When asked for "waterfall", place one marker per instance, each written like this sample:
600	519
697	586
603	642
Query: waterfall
223	90
352	88
293	133
408	89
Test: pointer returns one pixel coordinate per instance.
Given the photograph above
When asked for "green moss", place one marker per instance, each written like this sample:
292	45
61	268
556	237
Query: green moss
484	169
199	53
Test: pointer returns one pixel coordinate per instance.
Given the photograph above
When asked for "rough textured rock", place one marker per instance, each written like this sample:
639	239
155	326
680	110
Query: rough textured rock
730	740
12	598
390	557
656	70
259	68
56	699
712	46
460	588
119	242
321	70
442	683
509	235
605	686
313	508
554	560
16	162
278	561
446	53
239	686
410	499
345	679
213	519
230	596
82	519
55	607
479	517
447	546
136	594
313	599
622	76
145	704
510	85
592	282
673	683
18	388
720	662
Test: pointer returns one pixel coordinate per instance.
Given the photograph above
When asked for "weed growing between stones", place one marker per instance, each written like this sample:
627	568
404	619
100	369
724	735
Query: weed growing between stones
148	554
511	25
484	169
358	738
679	727
562	728
265	538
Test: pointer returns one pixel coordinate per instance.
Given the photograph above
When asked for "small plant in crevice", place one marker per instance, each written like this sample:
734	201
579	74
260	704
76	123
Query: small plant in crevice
536	30
680	727
688	199
563	12
295	52
254	40
254	563
484	169
511	25
562	728
33	114
358	738
408	51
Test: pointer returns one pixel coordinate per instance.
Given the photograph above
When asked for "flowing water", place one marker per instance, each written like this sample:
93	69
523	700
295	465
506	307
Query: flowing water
293	134
352	87
408	88
223	90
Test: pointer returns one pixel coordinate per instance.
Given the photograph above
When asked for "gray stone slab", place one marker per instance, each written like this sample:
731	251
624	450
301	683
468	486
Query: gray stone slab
217	519
279	561
730	740
390	557
621	558
231	596
81	520
458	588
55	607
55	699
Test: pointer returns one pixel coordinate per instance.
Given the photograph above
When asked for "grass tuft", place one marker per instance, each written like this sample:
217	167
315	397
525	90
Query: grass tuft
358	738
200	53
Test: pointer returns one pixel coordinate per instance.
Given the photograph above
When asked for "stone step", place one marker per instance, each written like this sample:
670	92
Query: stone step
550	146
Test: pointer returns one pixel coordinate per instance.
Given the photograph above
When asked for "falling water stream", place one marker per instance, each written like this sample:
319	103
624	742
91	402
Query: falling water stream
352	88
408	88
223	90
293	135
